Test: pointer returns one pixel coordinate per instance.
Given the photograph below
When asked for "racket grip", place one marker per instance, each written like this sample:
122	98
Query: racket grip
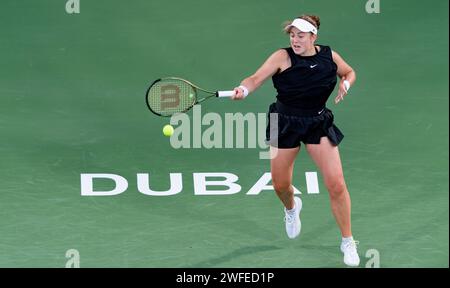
226	93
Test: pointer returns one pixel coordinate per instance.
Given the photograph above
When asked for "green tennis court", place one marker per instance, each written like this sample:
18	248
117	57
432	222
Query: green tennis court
72	103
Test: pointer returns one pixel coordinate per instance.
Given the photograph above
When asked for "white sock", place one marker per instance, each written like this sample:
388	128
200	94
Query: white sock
347	239
291	210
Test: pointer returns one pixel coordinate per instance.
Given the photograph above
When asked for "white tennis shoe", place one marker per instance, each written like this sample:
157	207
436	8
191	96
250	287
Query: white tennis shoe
351	257
292	219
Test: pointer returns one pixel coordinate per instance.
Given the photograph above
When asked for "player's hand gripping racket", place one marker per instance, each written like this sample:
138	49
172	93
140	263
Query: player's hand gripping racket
167	96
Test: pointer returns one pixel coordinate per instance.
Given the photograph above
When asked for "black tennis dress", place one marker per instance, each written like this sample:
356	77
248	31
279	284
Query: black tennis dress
303	90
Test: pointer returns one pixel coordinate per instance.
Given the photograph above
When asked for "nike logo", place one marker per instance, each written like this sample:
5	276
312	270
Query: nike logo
312	66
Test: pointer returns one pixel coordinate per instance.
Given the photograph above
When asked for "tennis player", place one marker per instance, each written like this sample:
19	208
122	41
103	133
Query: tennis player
304	76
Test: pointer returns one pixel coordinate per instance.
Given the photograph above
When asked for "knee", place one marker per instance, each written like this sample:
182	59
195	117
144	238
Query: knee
281	186
336	187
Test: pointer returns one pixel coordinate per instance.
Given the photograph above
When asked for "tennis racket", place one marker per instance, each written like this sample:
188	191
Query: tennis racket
167	96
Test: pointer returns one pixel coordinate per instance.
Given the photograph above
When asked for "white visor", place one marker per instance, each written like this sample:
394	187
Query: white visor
302	25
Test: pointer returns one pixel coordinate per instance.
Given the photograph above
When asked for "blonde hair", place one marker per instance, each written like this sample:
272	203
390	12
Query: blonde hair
313	19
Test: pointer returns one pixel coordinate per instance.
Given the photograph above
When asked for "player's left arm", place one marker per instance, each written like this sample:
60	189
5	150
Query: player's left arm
345	72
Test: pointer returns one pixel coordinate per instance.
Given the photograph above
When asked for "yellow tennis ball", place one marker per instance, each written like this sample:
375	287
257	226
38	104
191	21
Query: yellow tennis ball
168	130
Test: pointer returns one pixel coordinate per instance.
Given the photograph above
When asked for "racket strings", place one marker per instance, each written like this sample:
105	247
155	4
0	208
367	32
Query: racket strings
170	96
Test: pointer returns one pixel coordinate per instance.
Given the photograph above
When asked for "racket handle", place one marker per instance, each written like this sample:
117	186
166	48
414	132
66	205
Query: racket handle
225	93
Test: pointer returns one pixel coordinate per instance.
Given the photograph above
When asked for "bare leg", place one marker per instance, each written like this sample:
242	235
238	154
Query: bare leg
326	156
282	166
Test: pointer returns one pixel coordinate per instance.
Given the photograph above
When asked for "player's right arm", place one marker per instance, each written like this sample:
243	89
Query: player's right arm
271	66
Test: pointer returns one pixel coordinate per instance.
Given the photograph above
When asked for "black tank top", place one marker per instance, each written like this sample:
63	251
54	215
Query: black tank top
309	81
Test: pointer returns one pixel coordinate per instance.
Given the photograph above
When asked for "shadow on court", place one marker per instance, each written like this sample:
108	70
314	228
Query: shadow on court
234	254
